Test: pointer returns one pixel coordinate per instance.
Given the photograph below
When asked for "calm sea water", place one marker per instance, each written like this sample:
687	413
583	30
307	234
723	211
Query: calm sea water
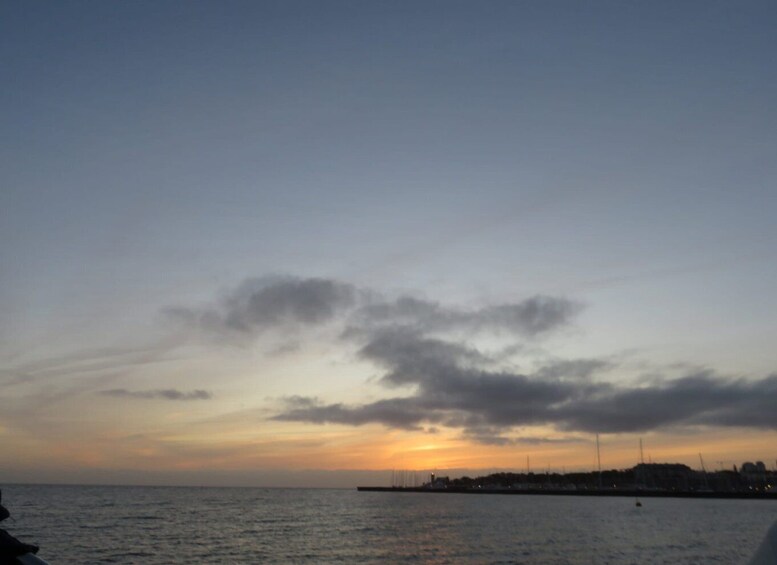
98	524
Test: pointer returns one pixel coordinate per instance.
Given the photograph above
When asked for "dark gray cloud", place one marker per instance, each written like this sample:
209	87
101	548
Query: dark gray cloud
447	391
698	399
532	316
271	302
454	397
404	413
411	356
450	390
286	305
573	369
164	394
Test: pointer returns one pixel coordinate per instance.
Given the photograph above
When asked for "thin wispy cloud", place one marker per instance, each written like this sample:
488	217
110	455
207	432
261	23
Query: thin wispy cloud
87	362
494	436
162	394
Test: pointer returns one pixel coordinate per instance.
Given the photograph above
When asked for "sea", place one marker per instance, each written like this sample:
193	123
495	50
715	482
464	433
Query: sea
168	525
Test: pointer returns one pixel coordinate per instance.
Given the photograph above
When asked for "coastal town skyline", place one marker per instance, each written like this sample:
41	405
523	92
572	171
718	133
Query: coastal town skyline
303	243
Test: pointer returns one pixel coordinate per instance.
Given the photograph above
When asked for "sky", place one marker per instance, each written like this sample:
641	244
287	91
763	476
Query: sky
304	243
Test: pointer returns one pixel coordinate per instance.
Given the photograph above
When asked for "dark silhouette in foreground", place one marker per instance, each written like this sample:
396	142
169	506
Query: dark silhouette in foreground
10	547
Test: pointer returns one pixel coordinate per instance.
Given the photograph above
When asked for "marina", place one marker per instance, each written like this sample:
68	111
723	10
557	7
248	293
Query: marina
646	480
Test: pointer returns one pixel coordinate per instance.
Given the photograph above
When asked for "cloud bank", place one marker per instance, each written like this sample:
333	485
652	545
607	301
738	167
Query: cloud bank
424	349
282	303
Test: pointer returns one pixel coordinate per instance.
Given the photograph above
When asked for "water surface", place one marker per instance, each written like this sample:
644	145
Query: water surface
167	525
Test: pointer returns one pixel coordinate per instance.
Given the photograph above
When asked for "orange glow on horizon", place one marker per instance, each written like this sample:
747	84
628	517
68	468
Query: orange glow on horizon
334	448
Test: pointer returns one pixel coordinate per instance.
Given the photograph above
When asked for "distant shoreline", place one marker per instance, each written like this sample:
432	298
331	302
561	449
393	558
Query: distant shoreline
590	492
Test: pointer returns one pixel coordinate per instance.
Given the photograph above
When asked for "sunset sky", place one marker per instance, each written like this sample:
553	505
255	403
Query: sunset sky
306	243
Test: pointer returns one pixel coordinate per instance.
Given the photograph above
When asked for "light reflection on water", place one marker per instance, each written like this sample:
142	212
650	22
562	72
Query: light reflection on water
239	525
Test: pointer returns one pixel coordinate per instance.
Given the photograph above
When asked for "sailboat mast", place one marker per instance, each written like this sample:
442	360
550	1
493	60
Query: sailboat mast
598	461
703	473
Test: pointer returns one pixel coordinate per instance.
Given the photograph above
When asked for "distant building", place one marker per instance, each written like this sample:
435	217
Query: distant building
665	476
749	468
753	475
437	482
